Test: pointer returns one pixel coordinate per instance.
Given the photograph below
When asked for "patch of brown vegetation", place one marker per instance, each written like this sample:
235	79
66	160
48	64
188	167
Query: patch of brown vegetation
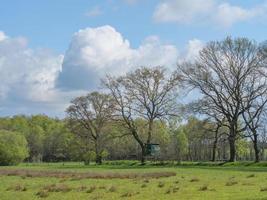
231	183
91	189
161	184
203	188
112	189
195	179
42	194
263	189
18	188
80	175
251	176
143	185
57	188
128	194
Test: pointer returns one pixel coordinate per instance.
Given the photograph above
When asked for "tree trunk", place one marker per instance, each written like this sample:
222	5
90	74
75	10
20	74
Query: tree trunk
98	159
143	154
232	149
150	127
255	145
214	148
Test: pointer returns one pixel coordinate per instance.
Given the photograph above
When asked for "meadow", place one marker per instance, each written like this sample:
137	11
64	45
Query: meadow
129	180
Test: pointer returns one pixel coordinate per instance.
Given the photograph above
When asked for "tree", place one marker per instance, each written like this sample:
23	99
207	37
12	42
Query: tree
146	93
223	74
13	148
92	112
182	144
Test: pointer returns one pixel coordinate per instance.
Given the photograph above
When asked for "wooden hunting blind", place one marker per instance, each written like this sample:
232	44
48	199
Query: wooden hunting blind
152	149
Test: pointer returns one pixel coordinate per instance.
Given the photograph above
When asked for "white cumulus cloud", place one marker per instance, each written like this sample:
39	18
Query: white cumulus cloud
220	13
94	52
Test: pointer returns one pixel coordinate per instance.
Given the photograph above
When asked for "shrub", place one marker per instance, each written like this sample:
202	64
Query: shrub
13	148
88	157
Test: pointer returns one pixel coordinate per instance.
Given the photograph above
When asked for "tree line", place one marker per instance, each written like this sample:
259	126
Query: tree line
225	120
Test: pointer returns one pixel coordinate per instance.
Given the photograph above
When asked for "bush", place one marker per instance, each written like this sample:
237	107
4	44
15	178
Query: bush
13	148
88	157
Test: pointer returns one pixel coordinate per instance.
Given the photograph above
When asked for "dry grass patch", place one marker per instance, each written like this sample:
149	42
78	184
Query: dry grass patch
161	184
91	189
81	188
263	189
42	194
112	189
143	185
80	175
57	188
195	179
203	188
172	190
231	183
18	188
251	176
128	194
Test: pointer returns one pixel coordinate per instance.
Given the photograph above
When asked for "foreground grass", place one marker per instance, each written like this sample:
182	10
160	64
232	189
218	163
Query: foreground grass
192	181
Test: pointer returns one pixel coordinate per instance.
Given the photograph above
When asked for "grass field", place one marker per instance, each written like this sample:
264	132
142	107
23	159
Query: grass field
131	181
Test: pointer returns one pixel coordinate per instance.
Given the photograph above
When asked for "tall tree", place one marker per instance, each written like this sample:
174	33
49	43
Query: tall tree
92	112
222	73
146	93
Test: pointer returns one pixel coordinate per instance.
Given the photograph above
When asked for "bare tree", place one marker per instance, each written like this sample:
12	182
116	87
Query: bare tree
146	93
216	119
92	112
253	119
222	74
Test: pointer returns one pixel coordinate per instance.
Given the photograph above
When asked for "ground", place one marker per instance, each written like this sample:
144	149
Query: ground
70	181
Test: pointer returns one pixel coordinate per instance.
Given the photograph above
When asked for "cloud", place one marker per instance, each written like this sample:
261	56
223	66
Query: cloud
27	75
40	81
205	11
2	36
94	12
95	52
193	48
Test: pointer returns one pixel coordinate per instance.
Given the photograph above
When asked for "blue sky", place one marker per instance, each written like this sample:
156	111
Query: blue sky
52	51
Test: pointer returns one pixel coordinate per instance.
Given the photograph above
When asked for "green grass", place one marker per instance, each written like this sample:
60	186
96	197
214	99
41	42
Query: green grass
192	181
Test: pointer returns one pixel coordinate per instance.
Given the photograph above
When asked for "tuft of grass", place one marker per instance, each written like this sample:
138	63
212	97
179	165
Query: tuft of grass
203	188
42	194
161	184
91	189
146	181
172	190
81	188
175	189
57	188
18	188
112	189
263	189
102	187
127	194
231	183
143	185
195	179
251	176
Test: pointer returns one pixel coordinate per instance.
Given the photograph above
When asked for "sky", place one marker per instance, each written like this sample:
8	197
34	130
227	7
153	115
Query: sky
53	51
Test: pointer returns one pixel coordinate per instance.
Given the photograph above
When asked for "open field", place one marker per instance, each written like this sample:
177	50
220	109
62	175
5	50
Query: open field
132	181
